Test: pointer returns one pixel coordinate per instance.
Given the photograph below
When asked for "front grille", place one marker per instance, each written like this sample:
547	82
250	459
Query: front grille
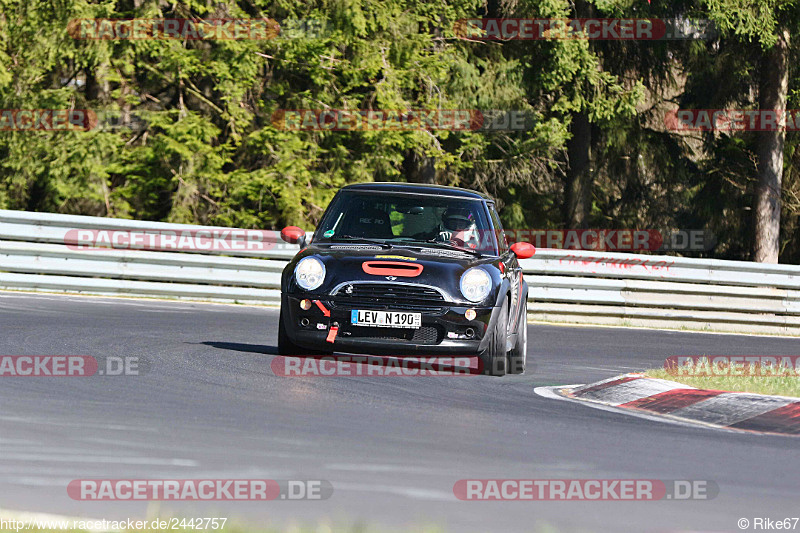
423	335
394	296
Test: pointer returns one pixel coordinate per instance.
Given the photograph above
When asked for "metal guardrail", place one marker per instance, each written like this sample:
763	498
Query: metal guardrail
662	291
38	252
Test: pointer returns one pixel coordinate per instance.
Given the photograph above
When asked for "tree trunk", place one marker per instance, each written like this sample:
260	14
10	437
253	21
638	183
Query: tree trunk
578	188
773	89
92	87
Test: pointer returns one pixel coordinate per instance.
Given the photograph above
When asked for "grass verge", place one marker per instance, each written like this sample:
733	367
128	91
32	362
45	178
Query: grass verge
776	385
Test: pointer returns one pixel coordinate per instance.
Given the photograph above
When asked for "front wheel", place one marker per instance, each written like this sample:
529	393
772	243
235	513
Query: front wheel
285	344
493	358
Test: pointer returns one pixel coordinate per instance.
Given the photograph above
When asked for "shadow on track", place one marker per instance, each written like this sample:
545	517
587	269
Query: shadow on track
407	363
241	347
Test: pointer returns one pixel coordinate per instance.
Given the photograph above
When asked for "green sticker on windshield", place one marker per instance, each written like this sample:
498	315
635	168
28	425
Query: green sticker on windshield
328	233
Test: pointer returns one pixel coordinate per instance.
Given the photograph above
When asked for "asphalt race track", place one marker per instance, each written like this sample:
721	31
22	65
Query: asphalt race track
209	406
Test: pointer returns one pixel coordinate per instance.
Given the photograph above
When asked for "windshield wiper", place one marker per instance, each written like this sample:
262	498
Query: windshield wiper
350	238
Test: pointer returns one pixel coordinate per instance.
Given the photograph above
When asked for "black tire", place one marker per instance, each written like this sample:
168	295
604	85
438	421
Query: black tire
518	355
493	359
285	344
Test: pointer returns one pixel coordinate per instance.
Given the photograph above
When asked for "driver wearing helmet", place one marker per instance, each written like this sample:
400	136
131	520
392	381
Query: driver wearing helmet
459	228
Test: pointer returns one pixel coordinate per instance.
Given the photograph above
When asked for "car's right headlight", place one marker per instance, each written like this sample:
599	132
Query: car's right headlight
309	273
476	284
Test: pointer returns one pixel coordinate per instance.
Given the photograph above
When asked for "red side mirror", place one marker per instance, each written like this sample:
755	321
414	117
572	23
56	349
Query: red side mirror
292	234
523	250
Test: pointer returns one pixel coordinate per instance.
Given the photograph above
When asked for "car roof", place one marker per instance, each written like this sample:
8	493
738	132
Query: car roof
417	188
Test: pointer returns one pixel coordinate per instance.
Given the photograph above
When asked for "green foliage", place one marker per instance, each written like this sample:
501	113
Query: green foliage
209	152
752	20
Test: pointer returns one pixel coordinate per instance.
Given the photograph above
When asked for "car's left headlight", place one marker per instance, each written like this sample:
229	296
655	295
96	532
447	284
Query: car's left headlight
476	284
309	273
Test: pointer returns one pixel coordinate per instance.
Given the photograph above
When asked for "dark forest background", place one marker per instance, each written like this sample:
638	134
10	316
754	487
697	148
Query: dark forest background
185	132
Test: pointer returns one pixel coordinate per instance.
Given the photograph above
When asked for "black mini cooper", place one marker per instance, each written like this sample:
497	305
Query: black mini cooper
407	269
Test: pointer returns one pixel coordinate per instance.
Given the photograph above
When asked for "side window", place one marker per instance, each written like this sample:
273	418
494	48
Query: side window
498	230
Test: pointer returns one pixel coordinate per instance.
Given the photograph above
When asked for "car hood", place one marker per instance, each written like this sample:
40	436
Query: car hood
438	267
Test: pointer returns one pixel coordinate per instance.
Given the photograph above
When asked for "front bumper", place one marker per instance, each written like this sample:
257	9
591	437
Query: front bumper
443	332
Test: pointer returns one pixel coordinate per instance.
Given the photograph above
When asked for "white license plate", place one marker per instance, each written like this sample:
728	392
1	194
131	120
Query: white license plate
386	319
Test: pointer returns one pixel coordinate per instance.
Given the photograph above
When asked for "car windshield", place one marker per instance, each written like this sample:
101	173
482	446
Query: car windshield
394	218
